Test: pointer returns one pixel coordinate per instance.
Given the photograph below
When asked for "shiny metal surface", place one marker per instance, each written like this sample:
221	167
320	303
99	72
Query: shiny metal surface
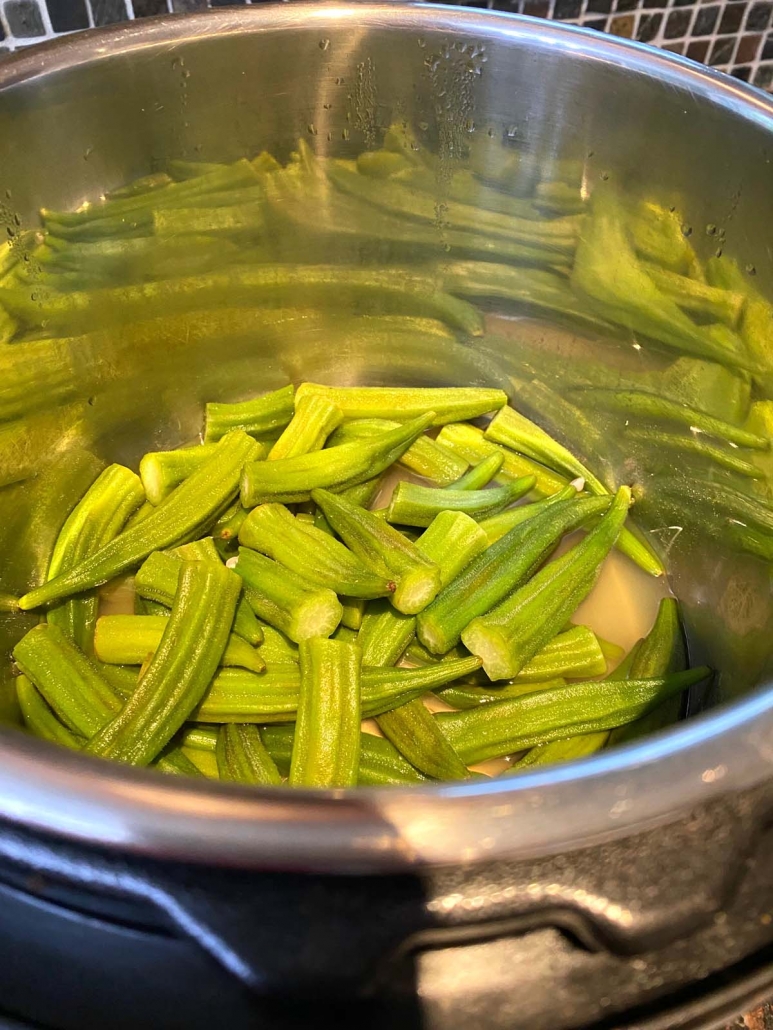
83	115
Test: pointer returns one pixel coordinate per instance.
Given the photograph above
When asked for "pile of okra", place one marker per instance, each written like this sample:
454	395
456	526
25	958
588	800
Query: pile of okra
276	608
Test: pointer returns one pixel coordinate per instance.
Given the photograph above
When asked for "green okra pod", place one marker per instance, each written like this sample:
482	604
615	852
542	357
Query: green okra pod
41	720
384	634
314	420
157	580
326	746
203	549
162	471
651	407
480	475
385	550
277	649
349	636
470	695
230	522
242	756
310	552
404	404
380	762
236	695
495	526
293	479
503	727
503	567
189	510
415	505
363	494
570	750
689	445
575	653
469	443
256	417
97	519
426	457
353	611
417	737
451	541
512	633
129	639
710	303
181	669
299	609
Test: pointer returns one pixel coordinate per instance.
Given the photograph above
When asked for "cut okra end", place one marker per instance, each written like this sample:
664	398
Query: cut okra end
490	645
416	589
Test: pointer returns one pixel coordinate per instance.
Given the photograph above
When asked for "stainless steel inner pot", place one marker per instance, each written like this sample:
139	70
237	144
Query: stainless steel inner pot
88	113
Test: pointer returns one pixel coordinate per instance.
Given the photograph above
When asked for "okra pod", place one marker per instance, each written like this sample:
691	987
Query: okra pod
502	568
384	634
480	475
181	669
654	408
308	551
570	750
185	513
326	746
503	727
236	695
495	526
228	525
415	505
575	653
353	611
242	756
509	635
314	420
41	720
95	520
293	479
299	609
162	471
469	443
203	549
129	639
380	762
470	695
277	649
426	457
255	417
417	737
404	404
451	541
385	550
157	580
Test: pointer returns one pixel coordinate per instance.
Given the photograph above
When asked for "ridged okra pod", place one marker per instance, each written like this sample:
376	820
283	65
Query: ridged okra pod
292	479
157	579
162	471
512	633
470	695
96	519
503	727
449	404
41	720
310	552
257	417
314	420
452	540
503	567
417	737
426	457
416	505
129	639
299	609
326	746
181	669
385	550
186	513
242	756
495	526
481	474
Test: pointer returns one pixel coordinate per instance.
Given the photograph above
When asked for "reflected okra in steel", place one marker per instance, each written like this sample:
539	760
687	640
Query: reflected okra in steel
129	639
285	600
293	479
449	404
314	420
180	671
383	549
189	511
500	728
326	746
256	417
503	567
157	579
310	552
416	505
523	623
242	756
95	520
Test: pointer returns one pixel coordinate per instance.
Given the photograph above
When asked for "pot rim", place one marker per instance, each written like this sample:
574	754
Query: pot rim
626	790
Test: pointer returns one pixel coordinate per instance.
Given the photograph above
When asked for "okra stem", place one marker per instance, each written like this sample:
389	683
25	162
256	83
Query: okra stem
326	746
